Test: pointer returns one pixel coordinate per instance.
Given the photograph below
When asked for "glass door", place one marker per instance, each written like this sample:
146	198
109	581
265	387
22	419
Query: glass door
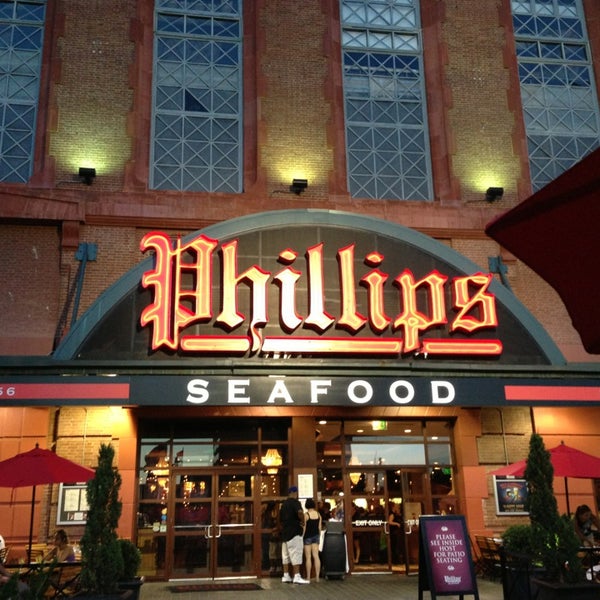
379	477
369	517
234	527
385	506
193	525
213	525
409	499
201	487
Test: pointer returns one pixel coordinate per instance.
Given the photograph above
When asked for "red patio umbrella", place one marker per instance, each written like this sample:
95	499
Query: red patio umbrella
566	461
555	232
38	467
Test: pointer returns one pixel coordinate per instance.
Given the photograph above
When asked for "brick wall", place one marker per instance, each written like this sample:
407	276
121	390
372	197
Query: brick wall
481	120
504	439
91	95
29	299
293	113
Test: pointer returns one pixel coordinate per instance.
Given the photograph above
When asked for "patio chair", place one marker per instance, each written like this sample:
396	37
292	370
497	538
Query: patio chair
489	549
64	581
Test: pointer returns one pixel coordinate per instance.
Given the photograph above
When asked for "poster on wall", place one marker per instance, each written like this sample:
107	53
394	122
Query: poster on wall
445	559
511	494
72	504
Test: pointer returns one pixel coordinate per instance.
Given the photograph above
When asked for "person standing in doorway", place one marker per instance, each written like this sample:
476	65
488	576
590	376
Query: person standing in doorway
396	529
291	517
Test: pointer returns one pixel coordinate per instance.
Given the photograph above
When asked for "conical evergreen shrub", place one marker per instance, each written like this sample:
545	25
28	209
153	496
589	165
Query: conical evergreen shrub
100	550
554	541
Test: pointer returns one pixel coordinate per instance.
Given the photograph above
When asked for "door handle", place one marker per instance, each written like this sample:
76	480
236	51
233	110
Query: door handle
219	530
207	533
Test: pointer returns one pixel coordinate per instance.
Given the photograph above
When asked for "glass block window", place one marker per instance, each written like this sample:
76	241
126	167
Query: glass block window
197	96
21	39
387	142
558	92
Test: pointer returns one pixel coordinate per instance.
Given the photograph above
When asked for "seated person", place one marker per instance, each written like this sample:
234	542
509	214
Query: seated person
62	550
587	525
6	576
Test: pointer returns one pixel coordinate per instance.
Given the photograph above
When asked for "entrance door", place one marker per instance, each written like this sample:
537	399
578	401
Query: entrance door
409	498
369	515
213	524
385	506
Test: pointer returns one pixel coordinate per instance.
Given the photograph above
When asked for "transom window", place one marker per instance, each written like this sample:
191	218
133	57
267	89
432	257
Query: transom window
197	96
560	105
21	39
387	141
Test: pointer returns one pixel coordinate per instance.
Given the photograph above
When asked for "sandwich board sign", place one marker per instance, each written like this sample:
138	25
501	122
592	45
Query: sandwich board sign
445	560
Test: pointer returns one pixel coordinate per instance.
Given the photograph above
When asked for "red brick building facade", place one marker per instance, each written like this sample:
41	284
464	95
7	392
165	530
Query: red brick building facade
95	109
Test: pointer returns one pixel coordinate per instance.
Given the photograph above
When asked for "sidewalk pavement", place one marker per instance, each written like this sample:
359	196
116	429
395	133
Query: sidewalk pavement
353	587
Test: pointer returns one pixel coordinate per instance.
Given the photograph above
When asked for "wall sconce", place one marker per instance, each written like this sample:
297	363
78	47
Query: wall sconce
298	186
87	174
494	193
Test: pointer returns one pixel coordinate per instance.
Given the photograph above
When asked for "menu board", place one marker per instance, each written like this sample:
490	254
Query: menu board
72	504
445	560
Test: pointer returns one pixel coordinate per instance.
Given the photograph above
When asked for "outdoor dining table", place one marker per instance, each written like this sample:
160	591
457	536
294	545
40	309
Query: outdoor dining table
591	559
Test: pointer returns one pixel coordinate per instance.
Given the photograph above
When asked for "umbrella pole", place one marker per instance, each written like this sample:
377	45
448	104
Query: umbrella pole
31	524
567	496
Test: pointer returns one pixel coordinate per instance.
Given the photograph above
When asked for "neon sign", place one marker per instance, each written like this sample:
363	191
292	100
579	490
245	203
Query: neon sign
183	280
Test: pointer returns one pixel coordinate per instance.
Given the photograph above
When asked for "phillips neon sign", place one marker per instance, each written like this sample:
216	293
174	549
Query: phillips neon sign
183	281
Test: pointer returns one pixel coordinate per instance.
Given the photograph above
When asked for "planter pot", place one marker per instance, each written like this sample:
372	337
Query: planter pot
519	576
517	584
547	590
133	585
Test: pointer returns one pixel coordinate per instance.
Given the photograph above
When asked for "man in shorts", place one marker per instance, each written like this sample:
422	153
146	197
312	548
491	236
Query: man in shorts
291	517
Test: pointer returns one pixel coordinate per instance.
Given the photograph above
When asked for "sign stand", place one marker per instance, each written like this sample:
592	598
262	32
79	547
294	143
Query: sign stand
445	560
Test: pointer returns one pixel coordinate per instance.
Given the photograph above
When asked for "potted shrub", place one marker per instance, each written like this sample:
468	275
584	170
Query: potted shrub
132	559
553	537
518	562
517	540
100	551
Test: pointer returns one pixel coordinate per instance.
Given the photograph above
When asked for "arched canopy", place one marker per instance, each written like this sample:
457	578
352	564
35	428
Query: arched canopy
111	328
